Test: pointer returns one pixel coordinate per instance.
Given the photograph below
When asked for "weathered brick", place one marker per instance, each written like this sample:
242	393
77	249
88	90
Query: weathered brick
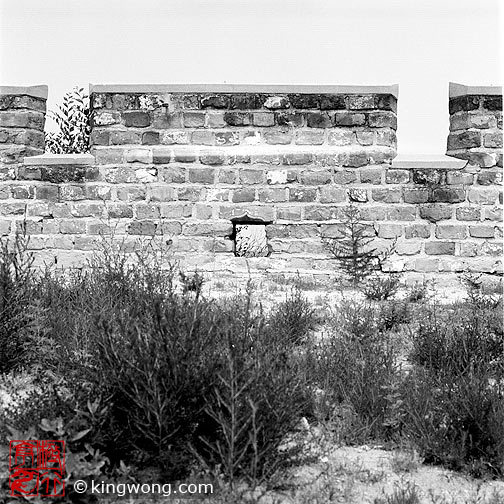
297	158
142	228
356	102
72	227
124	137
216	120
458	177
207	229
358	195
452	231
382	120
136	119
464	140
370	213
344	176
426	264
218	101
170	228
289	213
277	137
22	119
263	119
322	212
175	138
203	137
162	119
355	159
349	119
332	102
365	137
489	177
401	213
304	101
493	214
386	137
23	192
466	102
47	192
301	194
318	120
245	101
212	158
417	231
468	213
72	193
493	140
408	248
371	176
251	176
389	230
492	102
175	211
202	175
310	137
341	137
120	211
483	196
397	176
189	193
173	174
290	119
273	195
315	177
482	231
243	195
99	137
447	195
332	194
439	248
162	193
130	193
237	118
277	102
386	195
227	138
427	177
194	119
434	213
415	195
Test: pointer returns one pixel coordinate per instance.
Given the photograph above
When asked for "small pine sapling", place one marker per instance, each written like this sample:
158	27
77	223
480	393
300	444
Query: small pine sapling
353	250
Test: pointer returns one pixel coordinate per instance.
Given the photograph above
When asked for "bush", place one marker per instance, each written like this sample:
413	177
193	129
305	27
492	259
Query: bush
381	288
73	121
294	318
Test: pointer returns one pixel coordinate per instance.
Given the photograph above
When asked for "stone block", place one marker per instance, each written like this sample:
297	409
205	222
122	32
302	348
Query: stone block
401	213
251	176
382	120
415	195
277	137
332	102
459	178
212	158
489	177
289	213
318	120
227	176
289	119
216	120
365	137
202	175
341	137
273	195
439	248
332	194
47	192
389	230
124	137
162	193
356	102
170	228
483	196
146	228
310	137
243	195
190	193
302	195
217	102
493	140
426	264
493	214
463	103
238	118
175	138
194	119
408	247
120	211
72	227
349	119
357	195
435	213
386	195
203	137
150	138
215	228
136	119
468	214
464	140
417	231
447	195
482	231
315	177
397	176
355	159
451	231
276	102
342	177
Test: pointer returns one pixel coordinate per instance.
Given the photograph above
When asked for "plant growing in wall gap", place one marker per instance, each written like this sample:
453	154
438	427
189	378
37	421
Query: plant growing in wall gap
73	121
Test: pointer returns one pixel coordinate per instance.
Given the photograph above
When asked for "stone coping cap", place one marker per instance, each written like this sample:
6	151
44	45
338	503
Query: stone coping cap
35	91
456	90
408	161
242	88
60	159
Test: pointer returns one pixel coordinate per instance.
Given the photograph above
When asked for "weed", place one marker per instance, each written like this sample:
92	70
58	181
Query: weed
381	288
407	494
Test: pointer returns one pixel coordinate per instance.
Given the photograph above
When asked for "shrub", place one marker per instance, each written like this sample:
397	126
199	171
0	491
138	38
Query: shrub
294	318
381	288
73	121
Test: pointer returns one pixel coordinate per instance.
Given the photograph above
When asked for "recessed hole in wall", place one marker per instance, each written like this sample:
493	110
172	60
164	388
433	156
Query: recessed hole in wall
249	236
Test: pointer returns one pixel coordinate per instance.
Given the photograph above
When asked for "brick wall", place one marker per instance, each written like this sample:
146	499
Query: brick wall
183	163
22	118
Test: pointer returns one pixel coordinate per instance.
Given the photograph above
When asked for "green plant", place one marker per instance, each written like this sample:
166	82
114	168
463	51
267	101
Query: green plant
407	494
294	318
382	288
353	249
73	122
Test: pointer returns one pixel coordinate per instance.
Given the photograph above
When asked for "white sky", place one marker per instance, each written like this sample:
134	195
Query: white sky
419	44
